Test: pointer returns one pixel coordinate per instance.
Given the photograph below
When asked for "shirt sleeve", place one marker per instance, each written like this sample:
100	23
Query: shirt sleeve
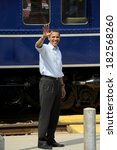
41	49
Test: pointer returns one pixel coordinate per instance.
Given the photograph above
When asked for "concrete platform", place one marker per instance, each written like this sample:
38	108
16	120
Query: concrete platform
72	141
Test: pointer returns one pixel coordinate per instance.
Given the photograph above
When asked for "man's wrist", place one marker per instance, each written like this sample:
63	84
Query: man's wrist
43	37
62	85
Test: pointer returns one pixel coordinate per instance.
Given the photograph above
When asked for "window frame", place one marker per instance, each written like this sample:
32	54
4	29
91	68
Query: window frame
34	24
85	18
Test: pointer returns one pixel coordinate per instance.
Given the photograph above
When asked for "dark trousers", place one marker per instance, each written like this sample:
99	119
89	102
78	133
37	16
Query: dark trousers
50	93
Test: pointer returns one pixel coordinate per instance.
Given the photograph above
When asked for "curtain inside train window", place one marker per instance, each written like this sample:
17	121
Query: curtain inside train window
36	11
74	12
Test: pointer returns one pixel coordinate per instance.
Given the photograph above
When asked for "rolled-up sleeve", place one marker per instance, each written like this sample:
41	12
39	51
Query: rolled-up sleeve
41	49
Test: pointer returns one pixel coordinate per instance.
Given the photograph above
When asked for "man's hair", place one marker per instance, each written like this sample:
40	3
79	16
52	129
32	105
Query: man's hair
55	30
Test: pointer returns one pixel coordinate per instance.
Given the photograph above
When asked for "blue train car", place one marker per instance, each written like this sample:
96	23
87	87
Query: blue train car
21	23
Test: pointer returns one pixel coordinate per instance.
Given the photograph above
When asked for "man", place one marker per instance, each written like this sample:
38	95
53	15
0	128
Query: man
51	86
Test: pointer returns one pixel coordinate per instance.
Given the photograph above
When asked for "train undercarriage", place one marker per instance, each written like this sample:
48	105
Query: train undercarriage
19	89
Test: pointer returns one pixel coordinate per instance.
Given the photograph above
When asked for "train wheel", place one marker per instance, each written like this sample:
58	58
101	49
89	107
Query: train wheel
13	100
86	97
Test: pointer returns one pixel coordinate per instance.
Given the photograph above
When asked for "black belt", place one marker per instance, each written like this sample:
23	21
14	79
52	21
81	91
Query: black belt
54	78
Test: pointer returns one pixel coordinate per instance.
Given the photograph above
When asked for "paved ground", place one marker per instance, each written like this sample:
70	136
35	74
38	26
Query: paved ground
72	141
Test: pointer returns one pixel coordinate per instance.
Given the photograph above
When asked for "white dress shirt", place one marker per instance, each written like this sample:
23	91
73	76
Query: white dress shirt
50	60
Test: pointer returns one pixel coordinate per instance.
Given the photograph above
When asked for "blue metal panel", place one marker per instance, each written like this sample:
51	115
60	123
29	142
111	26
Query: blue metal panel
80	50
11	18
93	15
10	15
21	51
75	50
18	51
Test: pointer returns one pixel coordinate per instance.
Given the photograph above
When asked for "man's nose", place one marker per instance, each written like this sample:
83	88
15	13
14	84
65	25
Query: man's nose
56	38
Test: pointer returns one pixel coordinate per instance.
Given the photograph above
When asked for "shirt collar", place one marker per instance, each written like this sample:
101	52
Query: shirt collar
52	47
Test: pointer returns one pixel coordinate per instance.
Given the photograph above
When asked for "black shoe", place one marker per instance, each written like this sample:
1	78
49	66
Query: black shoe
55	144
44	145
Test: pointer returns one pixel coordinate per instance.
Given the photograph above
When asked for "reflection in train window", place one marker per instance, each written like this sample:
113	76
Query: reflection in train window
74	11
36	11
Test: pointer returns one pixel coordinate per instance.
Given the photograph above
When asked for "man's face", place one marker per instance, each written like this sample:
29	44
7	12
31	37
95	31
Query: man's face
54	38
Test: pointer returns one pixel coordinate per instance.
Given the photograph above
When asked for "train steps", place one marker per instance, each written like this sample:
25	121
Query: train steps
74	123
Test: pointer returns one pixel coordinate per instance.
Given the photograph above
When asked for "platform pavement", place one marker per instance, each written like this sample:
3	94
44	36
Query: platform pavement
72	141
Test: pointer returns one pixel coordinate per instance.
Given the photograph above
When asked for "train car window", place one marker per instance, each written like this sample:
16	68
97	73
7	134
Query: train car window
74	12
36	11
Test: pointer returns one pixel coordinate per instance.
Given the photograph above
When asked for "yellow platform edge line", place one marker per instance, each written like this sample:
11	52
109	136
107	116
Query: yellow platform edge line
74	119
80	128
